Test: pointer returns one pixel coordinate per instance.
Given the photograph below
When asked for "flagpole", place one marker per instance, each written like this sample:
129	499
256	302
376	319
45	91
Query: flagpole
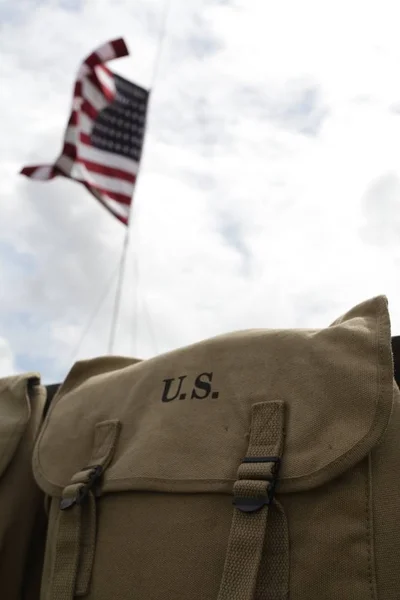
122	266
118	293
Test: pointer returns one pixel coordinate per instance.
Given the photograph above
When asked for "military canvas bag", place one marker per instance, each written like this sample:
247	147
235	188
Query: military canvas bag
262	464
22	522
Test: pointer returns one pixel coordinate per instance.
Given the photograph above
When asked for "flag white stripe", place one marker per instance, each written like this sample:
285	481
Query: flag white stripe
112	184
96	86
106	78
71	135
120	209
93	95
42	173
116	207
108	159
84	70
106	52
78	170
77	103
65	164
85	124
92	154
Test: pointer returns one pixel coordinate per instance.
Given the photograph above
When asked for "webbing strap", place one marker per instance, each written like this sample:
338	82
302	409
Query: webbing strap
253	494
87	545
273	576
66	542
70	549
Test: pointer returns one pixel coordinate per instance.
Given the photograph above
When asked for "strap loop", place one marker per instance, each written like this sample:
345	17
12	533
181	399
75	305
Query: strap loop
253	494
70	551
257	478
78	492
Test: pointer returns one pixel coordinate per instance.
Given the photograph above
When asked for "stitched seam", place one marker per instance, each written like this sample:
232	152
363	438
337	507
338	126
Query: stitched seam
317	478
19	427
369	527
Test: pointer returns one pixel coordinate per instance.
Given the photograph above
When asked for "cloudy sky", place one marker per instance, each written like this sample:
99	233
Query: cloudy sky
269	194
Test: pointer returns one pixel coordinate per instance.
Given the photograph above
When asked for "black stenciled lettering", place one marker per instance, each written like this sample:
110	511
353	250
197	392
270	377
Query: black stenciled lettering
166	397
203	383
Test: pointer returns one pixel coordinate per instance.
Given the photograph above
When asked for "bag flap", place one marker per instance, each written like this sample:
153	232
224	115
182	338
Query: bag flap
16	395
185	415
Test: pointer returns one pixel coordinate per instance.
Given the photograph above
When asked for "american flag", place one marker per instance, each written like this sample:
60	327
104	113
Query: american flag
104	136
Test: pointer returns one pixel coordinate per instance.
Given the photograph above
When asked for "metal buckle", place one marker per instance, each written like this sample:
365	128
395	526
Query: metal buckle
83	492
256	503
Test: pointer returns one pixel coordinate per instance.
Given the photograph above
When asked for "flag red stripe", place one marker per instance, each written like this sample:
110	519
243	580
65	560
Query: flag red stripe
69	150
78	89
31	171
108	171
101	200
93	60
120	48
83	105
85	139
103	89
95	81
89	109
74	118
28	171
112	171
121	198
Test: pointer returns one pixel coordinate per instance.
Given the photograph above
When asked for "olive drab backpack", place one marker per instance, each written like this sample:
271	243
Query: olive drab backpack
22	518
259	465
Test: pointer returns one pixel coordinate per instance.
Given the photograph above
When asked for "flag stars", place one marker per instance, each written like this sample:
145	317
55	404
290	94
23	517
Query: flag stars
119	127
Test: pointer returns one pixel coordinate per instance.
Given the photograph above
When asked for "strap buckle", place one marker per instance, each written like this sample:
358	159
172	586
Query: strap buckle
83	490
253	503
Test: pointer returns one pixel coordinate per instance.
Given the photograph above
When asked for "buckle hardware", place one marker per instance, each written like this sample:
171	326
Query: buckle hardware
253	504
83	491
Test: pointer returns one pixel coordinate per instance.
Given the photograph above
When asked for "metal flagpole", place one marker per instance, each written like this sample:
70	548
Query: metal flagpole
122	266
118	293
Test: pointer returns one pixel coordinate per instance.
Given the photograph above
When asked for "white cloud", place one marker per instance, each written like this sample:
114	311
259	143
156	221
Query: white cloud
7	366
269	189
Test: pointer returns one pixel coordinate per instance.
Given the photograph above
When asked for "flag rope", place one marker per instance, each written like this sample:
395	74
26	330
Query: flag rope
118	293
125	246
89	322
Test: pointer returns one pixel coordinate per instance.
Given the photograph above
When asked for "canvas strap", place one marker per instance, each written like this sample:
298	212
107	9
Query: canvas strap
72	534
273	576
253	496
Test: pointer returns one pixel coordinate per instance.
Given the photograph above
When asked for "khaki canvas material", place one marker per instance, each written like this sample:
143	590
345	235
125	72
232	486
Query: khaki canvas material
22	523
262	464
